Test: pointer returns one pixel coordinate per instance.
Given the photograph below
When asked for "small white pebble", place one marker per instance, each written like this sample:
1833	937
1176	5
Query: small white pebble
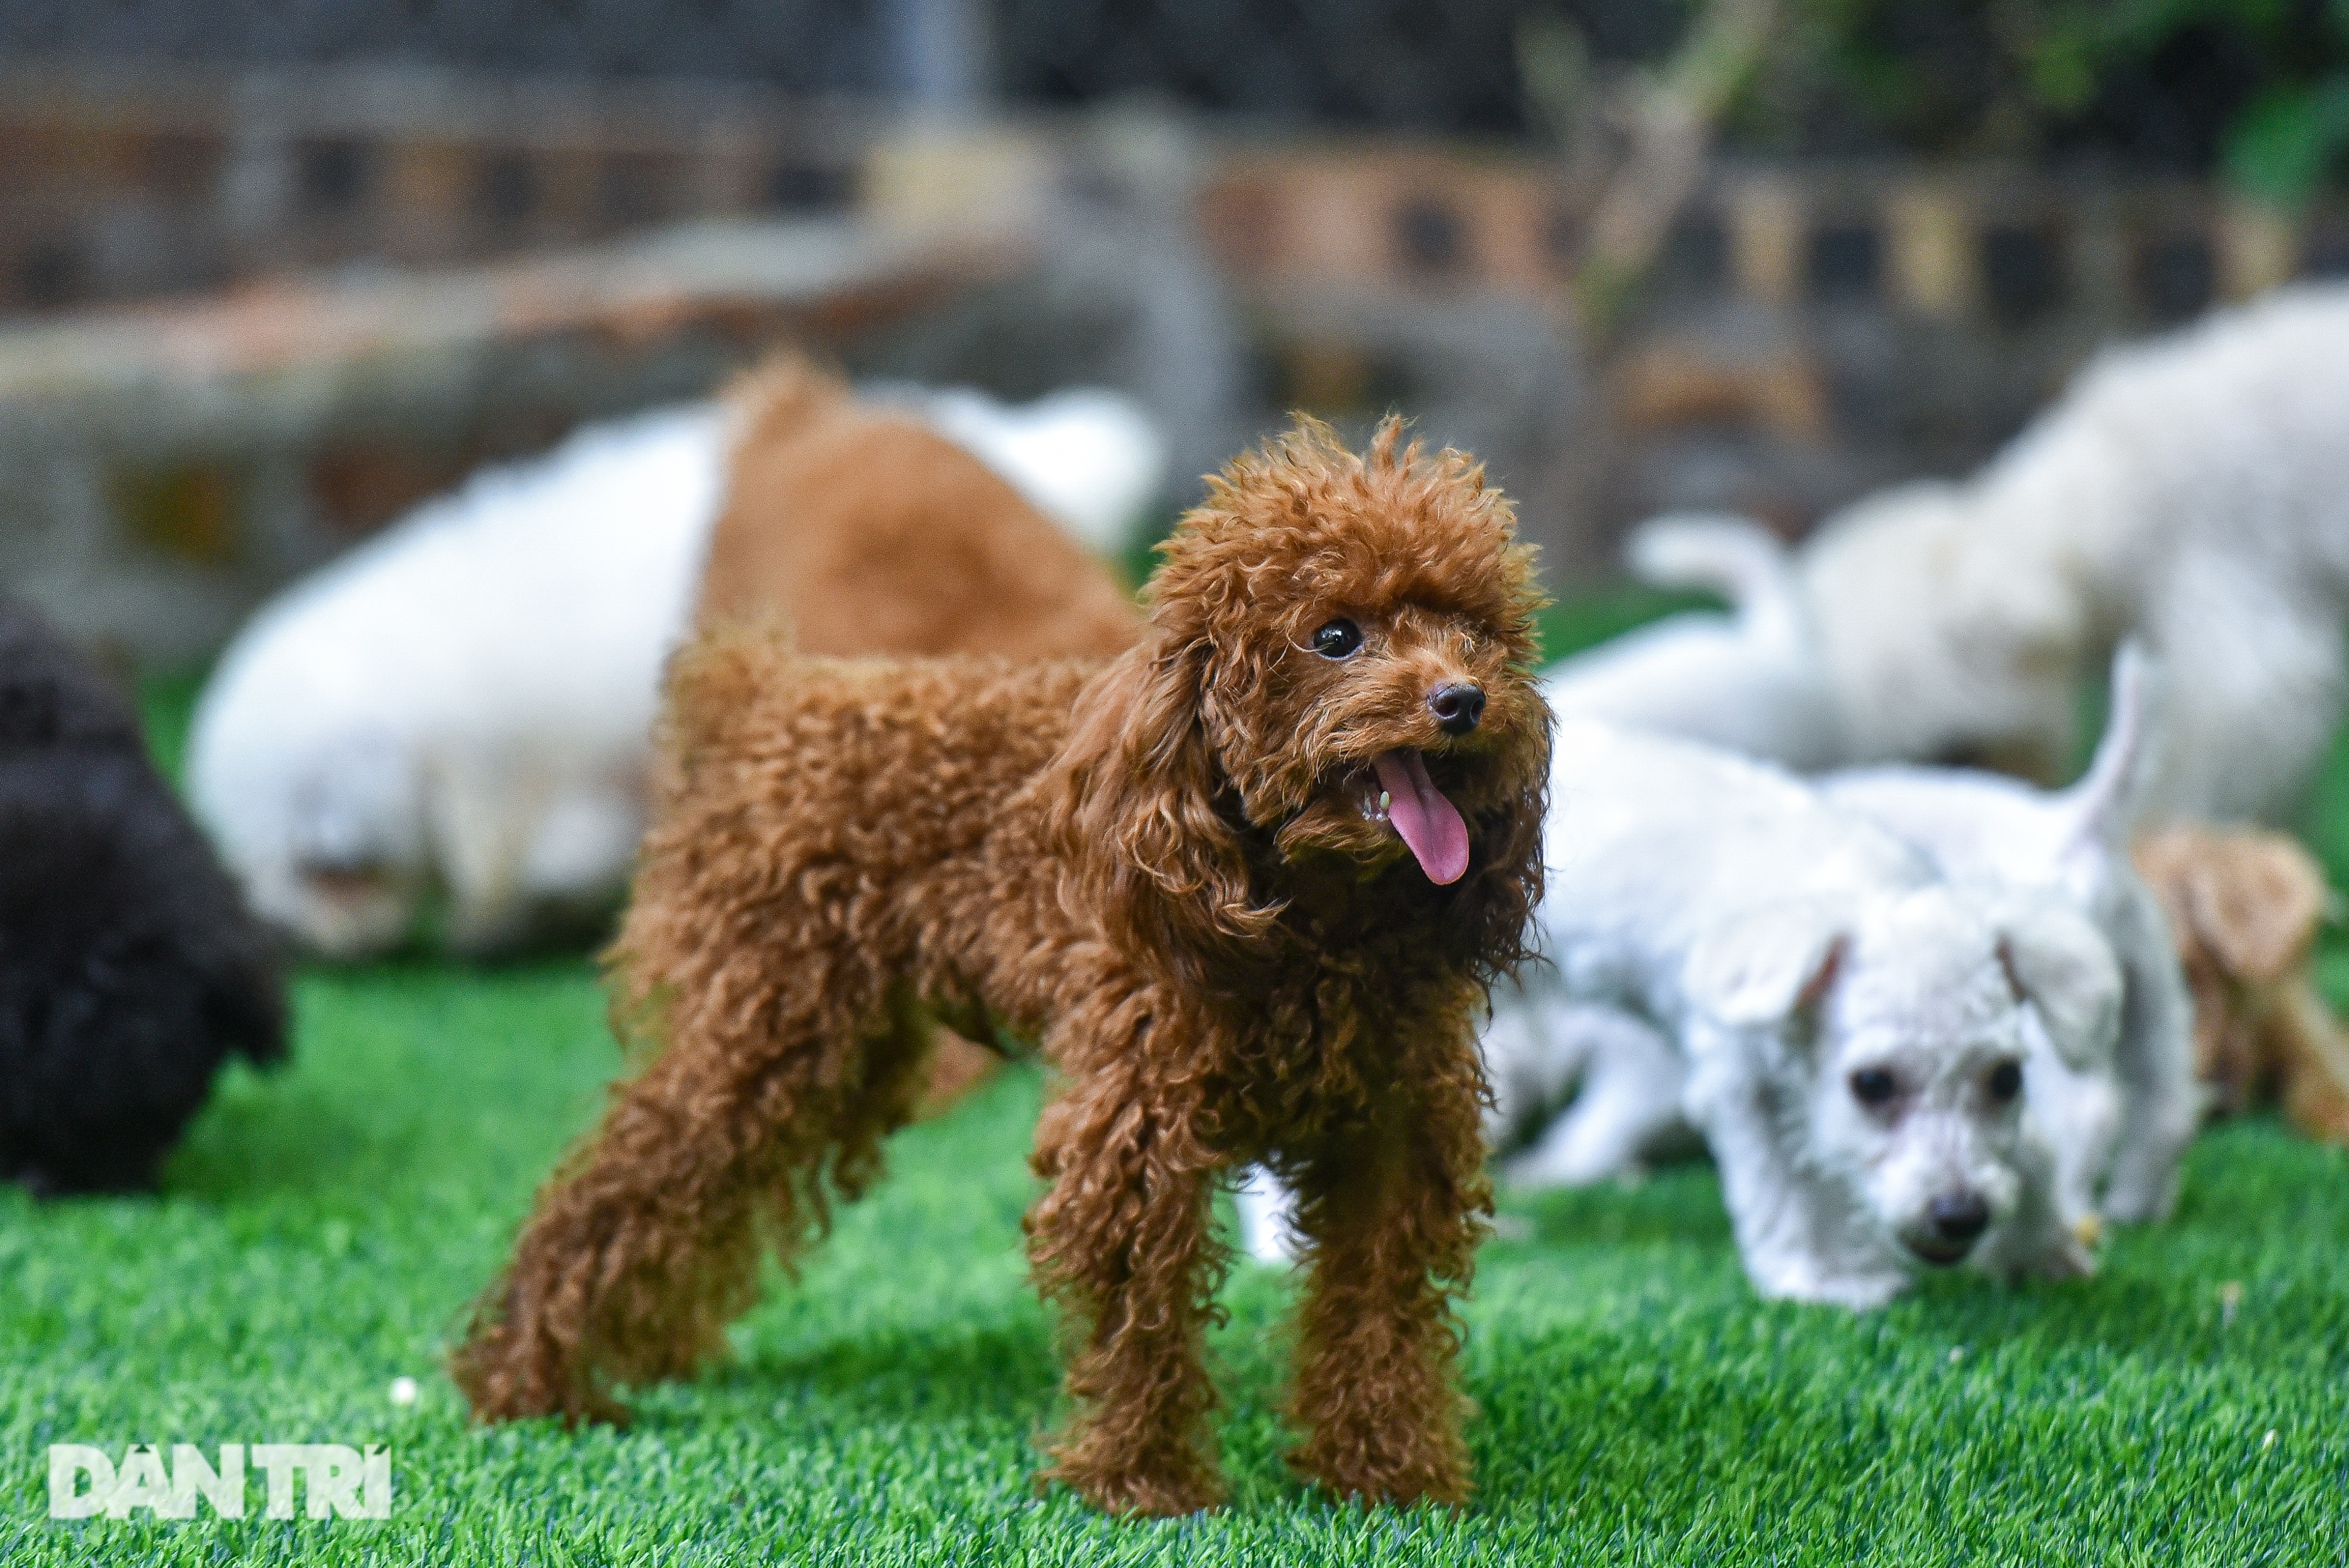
403	1391
2269	1441
2230	1296
1957	1353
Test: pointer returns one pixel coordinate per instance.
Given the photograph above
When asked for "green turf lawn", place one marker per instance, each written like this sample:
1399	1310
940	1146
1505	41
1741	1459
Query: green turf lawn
323	1227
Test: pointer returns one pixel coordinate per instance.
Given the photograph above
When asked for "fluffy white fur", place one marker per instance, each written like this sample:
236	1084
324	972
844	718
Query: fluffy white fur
1785	950
2117	1135
2121	1136
2190	490
2187	491
464	701
465	704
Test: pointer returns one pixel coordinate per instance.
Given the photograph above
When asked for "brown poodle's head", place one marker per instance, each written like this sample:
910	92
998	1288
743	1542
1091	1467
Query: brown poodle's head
1336	674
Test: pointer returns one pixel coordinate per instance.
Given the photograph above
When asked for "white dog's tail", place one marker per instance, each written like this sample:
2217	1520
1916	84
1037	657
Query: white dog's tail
1721	553
2104	801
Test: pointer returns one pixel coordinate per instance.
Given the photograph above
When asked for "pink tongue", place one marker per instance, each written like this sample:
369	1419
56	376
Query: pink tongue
1429	823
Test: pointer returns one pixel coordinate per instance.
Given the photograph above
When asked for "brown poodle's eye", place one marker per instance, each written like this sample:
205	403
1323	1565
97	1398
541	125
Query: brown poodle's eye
1873	1086
1338	639
2005	1081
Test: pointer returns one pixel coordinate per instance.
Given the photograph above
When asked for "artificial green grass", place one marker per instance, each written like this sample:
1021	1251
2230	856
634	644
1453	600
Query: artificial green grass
323	1227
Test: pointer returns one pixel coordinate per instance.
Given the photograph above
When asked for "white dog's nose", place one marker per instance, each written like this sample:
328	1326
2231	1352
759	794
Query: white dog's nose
1958	1218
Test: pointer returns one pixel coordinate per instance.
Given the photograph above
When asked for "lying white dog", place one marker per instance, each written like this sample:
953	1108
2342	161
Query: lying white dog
465	704
2187	491
1855	1031
2074	845
464	701
2118	1136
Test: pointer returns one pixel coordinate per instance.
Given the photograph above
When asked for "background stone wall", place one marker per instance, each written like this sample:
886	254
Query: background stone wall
246	319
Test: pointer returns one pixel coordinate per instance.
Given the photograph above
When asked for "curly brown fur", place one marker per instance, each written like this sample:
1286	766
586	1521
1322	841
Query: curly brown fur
2244	907
1170	870
871	533
866	532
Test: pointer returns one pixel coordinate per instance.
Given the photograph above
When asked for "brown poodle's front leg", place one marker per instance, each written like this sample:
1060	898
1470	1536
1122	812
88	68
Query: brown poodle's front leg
1123	1241
1391	1214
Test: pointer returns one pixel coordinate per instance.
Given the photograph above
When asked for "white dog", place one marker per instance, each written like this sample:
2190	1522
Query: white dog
1855	1031
465	704
464	701
2075	843
2188	491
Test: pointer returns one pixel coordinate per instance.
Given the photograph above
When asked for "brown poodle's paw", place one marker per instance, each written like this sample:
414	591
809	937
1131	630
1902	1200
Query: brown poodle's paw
1141	1489
503	1382
1386	1470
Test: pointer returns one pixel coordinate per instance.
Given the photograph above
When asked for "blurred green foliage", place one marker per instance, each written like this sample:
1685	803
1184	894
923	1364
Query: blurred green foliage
2255	92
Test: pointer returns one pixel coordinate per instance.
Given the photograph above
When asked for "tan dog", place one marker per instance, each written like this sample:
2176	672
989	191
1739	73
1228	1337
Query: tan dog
871	533
2244	906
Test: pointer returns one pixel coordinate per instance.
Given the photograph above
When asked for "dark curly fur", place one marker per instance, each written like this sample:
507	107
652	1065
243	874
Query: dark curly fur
129	969
1166	869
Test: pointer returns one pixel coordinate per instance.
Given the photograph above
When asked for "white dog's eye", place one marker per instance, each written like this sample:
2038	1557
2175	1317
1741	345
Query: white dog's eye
1874	1086
2005	1081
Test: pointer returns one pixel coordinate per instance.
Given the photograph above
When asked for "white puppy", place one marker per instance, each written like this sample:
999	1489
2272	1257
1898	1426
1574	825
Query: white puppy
2075	843
465	704
1855	1031
2185	491
464	701
2190	490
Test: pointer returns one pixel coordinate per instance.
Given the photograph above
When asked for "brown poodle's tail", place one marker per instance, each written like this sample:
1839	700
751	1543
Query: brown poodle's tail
713	683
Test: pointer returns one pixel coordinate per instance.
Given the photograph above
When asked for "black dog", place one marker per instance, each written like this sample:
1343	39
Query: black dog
128	967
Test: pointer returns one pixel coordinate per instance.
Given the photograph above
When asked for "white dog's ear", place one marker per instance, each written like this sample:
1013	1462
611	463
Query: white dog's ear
2059	964
1762	965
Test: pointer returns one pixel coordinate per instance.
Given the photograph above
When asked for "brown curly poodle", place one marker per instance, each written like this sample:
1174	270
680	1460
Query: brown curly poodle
1247	884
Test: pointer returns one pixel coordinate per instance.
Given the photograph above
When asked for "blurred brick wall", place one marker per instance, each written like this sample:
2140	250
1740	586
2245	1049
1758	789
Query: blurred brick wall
1809	331
162	468
126	183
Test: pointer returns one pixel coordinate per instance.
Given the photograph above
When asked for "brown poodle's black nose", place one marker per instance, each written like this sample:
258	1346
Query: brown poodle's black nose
1958	1217
1457	705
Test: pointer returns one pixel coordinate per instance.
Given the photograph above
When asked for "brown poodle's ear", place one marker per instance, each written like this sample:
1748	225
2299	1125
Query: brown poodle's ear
1134	809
